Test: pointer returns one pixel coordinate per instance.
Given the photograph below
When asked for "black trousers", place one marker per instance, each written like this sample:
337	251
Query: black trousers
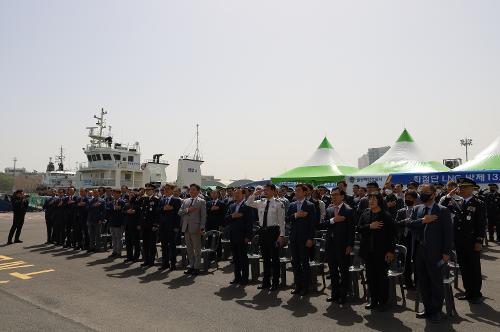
378	281
132	242
77	234
49	223
409	265
240	259
168	250
470	268
300	263
338	263
148	245
58	224
430	282
17	226
493	225
270	255
69	228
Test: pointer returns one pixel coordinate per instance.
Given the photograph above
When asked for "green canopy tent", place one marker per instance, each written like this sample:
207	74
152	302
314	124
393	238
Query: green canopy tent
324	166
486	160
403	157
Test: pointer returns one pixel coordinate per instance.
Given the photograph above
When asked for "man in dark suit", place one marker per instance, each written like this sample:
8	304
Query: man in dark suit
239	219
169	221
19	208
405	237
348	199
339	222
216	211
327	199
302	217
433	229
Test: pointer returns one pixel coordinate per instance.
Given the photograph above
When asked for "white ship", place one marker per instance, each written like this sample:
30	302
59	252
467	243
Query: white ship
113	164
58	178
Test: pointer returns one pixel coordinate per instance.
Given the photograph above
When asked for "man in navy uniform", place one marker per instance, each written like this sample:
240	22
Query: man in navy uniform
69	227
339	222
149	224
239	219
432	227
169	221
19	207
470	225
132	233
492	201
302	217
271	234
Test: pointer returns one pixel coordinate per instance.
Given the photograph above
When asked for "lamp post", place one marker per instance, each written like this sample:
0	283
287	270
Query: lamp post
466	142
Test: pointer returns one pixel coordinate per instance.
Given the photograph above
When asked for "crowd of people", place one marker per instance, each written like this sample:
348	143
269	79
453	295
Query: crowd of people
431	221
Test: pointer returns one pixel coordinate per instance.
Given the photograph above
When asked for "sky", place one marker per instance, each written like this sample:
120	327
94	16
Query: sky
266	80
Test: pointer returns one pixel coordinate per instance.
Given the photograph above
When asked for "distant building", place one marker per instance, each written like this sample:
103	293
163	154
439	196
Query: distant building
10	170
371	156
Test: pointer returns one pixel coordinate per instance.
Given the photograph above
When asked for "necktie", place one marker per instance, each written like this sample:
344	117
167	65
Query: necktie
337	210
192	202
264	224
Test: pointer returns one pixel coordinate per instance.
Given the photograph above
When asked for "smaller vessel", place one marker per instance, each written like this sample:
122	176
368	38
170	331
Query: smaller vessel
58	178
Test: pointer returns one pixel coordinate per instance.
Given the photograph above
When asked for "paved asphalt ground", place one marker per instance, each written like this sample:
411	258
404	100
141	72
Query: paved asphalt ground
45	288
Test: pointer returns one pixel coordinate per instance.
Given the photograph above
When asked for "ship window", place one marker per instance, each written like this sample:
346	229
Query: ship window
98	156
89	157
117	157
128	176
94	158
124	159
131	159
106	156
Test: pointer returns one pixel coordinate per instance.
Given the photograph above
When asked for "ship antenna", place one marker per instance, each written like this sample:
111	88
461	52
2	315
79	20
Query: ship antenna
197	151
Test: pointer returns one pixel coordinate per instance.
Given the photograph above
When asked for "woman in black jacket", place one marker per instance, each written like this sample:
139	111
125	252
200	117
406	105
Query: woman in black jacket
378	234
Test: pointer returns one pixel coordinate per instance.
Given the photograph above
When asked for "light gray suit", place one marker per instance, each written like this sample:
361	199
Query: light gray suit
191	224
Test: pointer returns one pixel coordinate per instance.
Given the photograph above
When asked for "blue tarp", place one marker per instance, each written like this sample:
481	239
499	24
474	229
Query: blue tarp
480	177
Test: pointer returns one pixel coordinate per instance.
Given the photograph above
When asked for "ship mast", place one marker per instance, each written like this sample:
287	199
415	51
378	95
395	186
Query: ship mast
60	159
197	151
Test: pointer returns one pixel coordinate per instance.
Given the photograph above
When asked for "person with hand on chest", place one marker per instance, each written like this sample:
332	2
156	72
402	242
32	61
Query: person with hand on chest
377	247
149	224
239	219
339	222
116	222
432	227
193	213
469	236
215	211
301	215
271	214
169	221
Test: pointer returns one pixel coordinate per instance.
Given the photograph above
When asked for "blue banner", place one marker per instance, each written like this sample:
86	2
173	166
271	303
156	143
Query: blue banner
480	177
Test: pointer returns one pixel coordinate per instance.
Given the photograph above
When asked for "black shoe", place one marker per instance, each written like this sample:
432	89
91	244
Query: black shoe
128	260
144	264
463	297
244	282
172	268
274	288
295	291
9	242
189	271
263	286
235	281
332	299
18	241
371	306
421	314
195	272
112	255
163	267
